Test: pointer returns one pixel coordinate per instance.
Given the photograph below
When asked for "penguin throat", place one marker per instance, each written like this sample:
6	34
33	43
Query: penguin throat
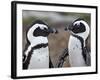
38	40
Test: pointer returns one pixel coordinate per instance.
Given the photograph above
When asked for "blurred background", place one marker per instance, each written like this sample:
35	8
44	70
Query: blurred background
59	20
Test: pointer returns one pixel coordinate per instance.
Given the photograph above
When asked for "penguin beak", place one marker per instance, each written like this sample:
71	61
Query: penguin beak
52	30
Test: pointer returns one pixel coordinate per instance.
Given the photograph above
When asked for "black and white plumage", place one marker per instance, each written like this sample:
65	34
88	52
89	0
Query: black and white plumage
77	50
36	54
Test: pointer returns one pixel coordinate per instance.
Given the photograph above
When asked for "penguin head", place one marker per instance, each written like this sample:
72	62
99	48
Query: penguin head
39	29
79	27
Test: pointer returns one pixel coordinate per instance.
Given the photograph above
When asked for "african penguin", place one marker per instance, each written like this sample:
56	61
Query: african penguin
77	50
36	54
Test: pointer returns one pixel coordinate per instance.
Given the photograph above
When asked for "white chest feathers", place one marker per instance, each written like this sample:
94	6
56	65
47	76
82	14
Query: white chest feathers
75	52
39	59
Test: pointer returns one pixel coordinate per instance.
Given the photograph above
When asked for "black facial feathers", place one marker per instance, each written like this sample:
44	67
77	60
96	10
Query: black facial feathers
41	32
77	27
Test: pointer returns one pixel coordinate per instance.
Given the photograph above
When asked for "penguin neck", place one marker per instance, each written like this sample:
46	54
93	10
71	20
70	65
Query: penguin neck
38	40
82	40
83	35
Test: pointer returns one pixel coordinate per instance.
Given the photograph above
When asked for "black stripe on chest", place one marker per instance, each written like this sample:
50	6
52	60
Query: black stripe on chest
40	46
82	45
27	62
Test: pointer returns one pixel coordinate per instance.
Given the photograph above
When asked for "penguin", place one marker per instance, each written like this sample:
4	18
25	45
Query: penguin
36	54
79	54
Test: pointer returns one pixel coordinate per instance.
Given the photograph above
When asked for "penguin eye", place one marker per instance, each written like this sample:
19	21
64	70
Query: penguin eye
42	28
77	25
45	28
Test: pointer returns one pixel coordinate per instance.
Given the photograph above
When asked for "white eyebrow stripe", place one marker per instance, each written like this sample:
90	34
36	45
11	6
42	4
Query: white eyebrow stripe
77	22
